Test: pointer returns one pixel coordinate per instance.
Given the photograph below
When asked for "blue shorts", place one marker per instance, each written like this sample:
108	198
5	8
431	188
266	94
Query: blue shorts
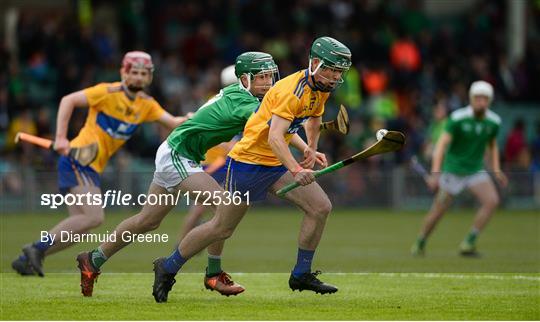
245	177
71	174
219	174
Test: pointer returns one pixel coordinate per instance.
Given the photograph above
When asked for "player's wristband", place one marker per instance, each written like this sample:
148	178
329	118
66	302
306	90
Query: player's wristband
298	169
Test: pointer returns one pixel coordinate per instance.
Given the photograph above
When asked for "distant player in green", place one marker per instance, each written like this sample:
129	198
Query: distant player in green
178	164
460	150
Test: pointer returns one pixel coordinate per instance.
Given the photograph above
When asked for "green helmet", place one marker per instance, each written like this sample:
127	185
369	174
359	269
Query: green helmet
333	53
254	62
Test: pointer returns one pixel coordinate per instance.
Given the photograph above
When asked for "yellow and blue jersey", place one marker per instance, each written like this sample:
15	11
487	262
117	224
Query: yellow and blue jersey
215	154
291	98
112	119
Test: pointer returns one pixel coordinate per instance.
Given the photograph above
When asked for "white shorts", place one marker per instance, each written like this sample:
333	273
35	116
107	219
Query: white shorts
454	184
172	168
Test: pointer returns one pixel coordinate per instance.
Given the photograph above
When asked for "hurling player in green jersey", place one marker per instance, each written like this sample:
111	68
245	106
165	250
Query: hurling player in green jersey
177	163
459	153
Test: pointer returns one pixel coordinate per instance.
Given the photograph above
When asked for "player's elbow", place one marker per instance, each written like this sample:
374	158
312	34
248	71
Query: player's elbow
66	100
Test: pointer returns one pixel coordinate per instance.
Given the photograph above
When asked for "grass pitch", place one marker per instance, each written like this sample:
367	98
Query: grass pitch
364	253
361	296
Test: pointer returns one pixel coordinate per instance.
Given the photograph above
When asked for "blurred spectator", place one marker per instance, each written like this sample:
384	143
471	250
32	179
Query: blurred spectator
4	117
375	81
515	149
403	59
23	122
349	92
10	181
198	49
535	150
435	127
405	55
43	123
383	106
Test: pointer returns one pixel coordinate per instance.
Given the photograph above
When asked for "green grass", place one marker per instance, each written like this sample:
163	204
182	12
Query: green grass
365	253
373	297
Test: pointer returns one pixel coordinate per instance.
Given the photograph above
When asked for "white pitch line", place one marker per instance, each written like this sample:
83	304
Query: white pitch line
478	276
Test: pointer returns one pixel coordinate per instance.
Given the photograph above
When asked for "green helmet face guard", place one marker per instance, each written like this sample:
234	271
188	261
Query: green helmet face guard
254	63
331	54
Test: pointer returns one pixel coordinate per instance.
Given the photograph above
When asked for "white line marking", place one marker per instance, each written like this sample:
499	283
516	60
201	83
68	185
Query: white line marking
477	276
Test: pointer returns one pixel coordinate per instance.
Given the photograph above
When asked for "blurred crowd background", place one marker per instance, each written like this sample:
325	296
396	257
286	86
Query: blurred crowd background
413	63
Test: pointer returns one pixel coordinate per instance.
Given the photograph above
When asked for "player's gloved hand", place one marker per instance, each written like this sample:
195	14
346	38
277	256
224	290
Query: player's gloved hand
61	145
433	182
303	176
310	157
501	178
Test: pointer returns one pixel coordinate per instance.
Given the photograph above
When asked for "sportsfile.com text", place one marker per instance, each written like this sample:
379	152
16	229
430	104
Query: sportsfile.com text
119	198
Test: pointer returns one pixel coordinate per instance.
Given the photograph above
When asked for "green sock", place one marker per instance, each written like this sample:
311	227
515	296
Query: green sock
97	258
471	237
421	242
214	265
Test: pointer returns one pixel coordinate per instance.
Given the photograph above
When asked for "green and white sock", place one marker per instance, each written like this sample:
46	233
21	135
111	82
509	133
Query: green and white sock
471	237
214	265
97	257
421	242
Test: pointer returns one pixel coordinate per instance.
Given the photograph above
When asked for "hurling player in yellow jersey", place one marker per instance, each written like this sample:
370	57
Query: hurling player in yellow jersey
115	111
261	161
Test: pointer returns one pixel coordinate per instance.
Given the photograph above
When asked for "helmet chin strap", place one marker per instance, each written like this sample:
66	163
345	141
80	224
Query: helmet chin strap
318	85
241	84
311	73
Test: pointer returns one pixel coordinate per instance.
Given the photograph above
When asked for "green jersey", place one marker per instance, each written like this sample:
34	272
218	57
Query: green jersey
217	121
470	136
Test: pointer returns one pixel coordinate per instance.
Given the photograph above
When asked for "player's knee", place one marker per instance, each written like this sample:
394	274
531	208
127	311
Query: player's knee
148	223
225	233
151	225
322	208
220	231
95	221
326	207
492	202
